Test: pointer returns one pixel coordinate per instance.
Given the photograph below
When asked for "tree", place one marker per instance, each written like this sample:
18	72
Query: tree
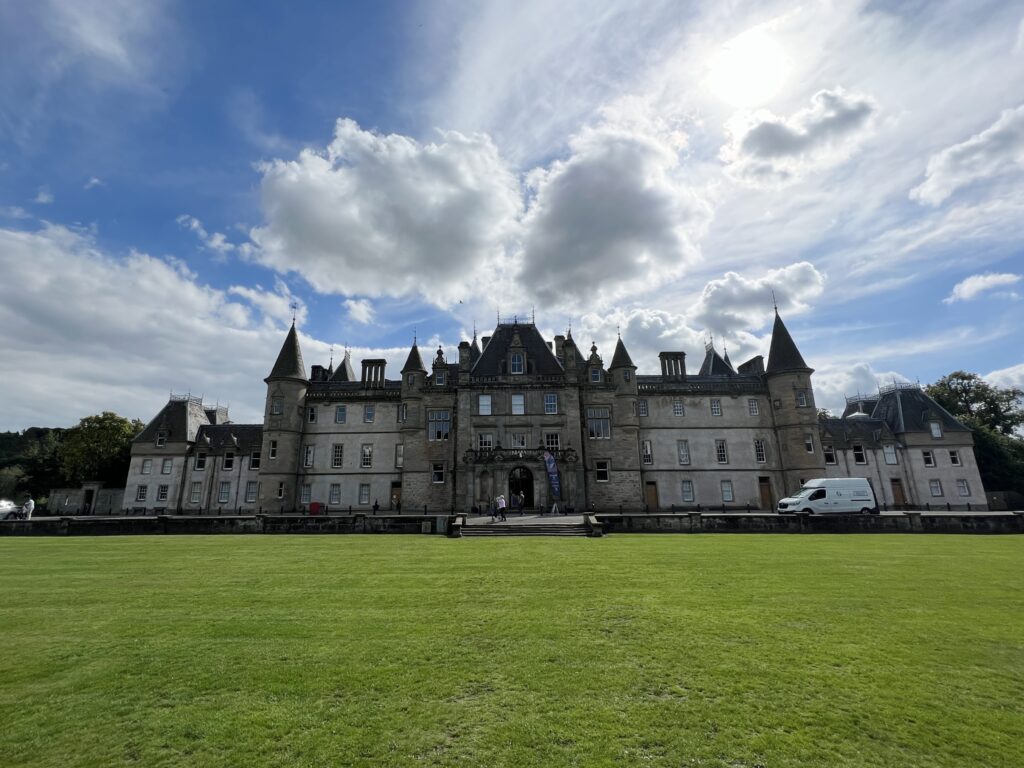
993	414
41	464
973	400
99	448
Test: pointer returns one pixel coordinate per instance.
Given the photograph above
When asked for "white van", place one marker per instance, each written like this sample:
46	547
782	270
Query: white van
832	494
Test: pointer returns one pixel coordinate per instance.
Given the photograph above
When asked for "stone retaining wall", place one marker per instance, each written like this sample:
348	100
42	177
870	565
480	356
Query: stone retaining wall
206	524
907	522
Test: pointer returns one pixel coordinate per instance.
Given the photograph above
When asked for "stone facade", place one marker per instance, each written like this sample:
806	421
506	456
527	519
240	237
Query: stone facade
516	408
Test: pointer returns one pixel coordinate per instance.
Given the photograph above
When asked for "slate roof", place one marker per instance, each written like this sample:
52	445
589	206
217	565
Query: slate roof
783	355
345	371
714	364
289	363
859	429
180	419
414	362
540	359
621	358
243	438
909	409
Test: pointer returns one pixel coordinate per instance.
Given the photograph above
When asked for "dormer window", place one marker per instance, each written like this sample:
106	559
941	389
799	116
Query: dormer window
516	363
595	375
936	427
439	378
161	439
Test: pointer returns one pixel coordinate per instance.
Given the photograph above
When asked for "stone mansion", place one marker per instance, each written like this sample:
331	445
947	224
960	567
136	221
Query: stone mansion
519	415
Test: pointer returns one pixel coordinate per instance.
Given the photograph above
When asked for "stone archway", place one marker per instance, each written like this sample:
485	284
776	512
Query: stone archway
520	479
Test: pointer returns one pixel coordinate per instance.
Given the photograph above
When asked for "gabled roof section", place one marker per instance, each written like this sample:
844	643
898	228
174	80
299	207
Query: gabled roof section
179	420
474	350
241	438
289	363
714	364
783	355
345	371
621	358
414	362
539	358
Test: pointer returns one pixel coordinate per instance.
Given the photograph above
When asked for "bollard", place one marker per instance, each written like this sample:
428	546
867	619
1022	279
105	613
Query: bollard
748	506
968	506
424	509
949	507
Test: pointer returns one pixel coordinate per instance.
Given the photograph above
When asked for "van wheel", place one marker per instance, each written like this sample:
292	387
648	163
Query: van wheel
865	511
808	511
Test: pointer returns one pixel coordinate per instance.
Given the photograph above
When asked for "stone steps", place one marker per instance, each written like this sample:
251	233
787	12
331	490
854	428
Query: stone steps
497	529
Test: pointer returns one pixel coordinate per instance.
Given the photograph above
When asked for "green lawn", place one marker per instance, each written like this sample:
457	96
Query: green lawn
653	650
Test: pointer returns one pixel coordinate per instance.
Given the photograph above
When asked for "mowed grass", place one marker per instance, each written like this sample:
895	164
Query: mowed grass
406	650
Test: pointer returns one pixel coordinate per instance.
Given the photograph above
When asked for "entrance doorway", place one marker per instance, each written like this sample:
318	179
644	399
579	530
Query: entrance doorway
87	504
898	499
651	496
520	480
764	490
396	495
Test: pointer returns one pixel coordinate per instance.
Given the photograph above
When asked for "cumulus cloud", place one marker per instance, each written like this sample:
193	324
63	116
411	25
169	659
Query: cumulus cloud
767	150
735	302
994	151
277	307
360	310
15	212
975	285
92	183
386	215
216	241
614	217
832	384
1007	377
44	196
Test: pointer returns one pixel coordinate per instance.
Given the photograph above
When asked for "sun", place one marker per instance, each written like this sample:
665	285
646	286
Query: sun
748	70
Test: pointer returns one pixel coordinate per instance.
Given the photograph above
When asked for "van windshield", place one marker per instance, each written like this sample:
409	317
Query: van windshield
804	492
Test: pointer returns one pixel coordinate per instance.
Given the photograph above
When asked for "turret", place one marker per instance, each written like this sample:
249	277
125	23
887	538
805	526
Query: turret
622	373
796	419
413	372
284	419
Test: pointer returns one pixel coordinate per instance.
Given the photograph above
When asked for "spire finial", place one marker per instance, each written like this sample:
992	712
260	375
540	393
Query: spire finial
414	337
332	355
775	304
618	330
294	305
533	314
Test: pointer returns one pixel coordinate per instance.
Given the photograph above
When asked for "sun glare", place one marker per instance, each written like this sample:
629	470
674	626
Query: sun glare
748	70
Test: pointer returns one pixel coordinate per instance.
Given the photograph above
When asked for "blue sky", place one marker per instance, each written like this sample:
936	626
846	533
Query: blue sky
174	175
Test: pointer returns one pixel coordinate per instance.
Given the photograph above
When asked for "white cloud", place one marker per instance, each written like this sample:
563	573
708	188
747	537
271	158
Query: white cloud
277	307
216	241
44	196
975	285
833	384
735	302
385	215
15	212
616	217
1007	377
92	183
995	151
767	150
158	329
63	57
360	310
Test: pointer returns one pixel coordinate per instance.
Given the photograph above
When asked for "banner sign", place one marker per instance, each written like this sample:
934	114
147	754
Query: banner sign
556	485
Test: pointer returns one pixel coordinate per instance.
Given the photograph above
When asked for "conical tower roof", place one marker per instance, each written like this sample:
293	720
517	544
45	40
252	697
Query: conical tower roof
783	355
414	362
621	358
345	371
289	363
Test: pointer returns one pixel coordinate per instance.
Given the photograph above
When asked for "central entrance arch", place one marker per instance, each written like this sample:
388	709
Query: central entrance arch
520	479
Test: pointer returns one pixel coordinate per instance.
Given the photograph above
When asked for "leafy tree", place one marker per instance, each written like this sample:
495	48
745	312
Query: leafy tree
972	399
994	414
99	448
42	465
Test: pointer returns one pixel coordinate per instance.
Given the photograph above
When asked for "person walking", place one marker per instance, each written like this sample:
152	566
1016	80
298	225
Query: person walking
501	507
522	503
26	511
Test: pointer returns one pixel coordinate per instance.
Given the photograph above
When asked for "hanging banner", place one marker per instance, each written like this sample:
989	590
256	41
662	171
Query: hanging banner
556	484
